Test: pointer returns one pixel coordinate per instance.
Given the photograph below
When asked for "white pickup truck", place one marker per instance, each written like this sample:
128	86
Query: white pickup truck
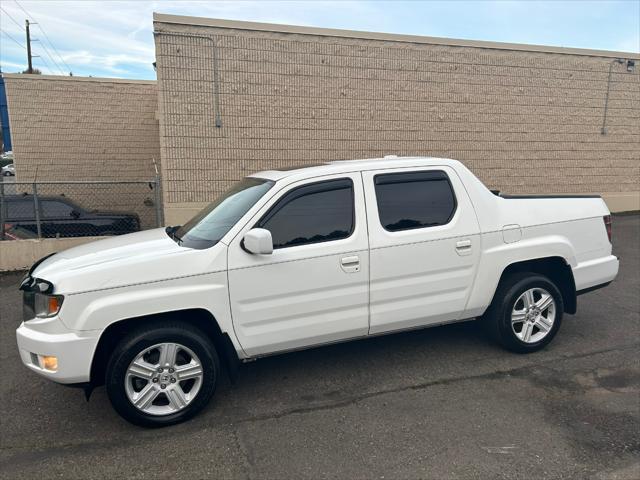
294	259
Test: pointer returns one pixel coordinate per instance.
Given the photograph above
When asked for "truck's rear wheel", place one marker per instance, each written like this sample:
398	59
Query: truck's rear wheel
162	375
526	312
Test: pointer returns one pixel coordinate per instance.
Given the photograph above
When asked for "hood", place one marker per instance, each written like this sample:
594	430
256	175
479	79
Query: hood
122	260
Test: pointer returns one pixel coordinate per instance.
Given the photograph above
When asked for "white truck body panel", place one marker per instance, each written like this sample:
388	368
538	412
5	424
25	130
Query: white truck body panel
301	295
421	270
372	282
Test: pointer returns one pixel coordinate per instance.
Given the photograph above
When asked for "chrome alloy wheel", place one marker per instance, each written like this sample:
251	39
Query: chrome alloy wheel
533	315
163	379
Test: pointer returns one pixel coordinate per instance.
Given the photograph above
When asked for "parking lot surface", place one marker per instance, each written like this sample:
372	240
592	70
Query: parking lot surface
437	403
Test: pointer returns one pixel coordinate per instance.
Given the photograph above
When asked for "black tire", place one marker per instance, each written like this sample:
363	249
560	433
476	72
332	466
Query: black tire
139	340
497	318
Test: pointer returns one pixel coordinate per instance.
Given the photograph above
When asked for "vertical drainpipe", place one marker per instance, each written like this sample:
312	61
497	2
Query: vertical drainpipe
216	71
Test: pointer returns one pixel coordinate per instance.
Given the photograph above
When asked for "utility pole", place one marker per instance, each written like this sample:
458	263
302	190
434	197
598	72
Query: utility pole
30	69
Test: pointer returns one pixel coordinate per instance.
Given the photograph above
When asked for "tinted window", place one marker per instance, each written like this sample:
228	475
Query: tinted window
20	209
56	209
414	200
314	213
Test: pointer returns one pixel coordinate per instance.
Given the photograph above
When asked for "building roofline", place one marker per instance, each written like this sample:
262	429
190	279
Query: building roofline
391	37
23	76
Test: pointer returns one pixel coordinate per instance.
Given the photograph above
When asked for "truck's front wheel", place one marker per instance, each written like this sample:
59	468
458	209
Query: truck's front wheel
526	312
162	375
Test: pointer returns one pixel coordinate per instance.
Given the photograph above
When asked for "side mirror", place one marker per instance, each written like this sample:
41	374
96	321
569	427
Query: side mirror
258	241
75	214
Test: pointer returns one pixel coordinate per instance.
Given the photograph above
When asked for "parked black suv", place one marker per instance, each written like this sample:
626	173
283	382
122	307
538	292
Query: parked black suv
60	217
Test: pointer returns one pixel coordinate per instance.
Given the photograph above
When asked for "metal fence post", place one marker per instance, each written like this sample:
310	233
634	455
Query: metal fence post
157	201
36	205
2	210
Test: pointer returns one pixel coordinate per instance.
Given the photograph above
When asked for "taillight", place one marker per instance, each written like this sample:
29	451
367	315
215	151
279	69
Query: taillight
607	225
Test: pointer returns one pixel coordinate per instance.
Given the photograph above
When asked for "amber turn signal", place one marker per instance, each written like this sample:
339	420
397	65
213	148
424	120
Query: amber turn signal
49	362
54	304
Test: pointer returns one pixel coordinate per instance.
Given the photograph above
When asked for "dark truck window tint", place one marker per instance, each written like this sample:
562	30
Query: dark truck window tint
314	213
56	209
414	200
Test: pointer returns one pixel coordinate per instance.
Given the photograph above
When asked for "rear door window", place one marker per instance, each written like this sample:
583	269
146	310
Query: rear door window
410	200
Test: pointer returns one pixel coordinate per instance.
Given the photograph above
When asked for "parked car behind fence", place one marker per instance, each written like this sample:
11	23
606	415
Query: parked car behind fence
78	209
60	217
6	158
9	170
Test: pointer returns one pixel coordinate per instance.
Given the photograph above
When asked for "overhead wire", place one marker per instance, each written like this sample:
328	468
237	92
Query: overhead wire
9	36
41	58
51	58
54	48
11	18
45	36
25	12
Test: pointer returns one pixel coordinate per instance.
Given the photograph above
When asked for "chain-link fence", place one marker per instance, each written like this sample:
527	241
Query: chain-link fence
78	209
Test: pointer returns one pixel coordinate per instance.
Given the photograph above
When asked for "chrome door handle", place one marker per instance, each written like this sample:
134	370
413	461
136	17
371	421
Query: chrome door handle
350	264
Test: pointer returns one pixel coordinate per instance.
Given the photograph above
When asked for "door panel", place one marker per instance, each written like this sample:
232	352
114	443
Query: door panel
305	294
420	275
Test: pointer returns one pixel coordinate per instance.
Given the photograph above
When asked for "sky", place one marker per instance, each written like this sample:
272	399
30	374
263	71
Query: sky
114	38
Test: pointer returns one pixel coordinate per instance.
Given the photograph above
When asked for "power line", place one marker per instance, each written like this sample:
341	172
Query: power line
46	36
45	63
51	58
54	47
16	41
25	12
12	19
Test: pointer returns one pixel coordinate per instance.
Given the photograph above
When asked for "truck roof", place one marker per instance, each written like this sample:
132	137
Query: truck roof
343	166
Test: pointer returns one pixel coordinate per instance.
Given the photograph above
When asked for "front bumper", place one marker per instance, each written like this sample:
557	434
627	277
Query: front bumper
74	350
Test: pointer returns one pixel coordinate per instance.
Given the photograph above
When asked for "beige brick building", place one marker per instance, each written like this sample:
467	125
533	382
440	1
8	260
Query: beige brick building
76	129
236	97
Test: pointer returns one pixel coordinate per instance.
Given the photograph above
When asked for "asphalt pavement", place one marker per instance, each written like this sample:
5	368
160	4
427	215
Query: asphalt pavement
437	403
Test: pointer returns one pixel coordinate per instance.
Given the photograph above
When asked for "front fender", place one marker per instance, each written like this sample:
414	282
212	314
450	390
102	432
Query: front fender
99	309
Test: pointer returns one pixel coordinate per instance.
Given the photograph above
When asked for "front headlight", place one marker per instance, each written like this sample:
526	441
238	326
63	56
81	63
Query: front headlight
47	305
40	305
37	299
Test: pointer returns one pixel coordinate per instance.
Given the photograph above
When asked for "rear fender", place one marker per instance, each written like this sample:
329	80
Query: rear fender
495	260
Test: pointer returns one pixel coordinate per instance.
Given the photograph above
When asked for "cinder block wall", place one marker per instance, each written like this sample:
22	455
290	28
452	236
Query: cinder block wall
524	119
79	128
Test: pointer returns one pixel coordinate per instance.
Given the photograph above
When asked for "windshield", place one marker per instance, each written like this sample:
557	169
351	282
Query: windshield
212	223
